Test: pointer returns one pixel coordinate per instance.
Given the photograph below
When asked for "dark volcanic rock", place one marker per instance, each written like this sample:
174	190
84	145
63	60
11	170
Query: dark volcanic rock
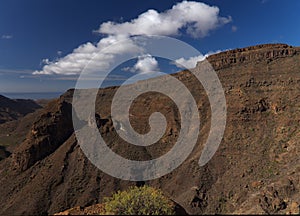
3	153
53	127
255	170
253	54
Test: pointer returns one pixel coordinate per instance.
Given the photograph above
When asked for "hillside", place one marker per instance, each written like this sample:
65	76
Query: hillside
255	170
12	109
16	118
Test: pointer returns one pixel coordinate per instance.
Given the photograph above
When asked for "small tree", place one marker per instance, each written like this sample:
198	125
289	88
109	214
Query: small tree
139	201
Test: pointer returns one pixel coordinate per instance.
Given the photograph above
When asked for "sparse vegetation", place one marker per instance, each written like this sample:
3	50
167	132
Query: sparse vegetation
139	201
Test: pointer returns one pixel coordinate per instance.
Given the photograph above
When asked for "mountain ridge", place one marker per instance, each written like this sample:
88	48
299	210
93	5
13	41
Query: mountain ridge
262	52
12	109
255	170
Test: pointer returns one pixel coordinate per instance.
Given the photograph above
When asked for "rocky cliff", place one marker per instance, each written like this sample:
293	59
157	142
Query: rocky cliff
253	54
46	135
255	170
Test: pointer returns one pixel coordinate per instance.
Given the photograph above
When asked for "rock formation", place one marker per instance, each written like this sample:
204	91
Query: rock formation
255	170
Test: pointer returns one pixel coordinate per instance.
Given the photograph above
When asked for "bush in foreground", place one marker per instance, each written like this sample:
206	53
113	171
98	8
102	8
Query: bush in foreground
139	201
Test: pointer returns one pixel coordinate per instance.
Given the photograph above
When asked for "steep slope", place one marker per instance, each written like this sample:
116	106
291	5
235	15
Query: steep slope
16	118
14	132
14	109
256	168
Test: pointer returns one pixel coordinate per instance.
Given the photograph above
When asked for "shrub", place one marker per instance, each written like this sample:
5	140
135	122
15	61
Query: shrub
139	201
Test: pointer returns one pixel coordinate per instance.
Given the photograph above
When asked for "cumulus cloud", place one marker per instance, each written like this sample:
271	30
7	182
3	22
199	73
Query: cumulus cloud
188	17
192	61
195	18
75	62
145	64
188	63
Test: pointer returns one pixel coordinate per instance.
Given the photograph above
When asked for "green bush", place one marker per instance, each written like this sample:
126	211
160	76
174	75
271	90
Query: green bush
139	201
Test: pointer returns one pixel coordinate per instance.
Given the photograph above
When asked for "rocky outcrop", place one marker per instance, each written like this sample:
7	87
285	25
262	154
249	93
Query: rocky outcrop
255	170
53	127
253	54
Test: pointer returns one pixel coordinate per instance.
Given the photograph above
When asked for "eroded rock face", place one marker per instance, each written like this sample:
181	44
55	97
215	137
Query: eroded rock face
253	54
255	170
52	128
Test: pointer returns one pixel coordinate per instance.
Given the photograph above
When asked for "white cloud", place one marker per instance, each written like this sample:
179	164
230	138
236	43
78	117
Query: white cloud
6	36
188	63
146	64
192	61
193	18
196	18
46	61
75	62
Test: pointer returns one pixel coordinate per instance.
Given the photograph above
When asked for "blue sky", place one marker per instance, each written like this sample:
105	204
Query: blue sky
35	33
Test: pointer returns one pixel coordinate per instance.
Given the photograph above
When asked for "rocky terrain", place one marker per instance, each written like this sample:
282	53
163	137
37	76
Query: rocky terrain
255	170
14	109
16	118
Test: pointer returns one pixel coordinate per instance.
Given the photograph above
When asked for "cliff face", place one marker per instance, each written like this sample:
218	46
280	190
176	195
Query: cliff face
253	54
52	128
255	170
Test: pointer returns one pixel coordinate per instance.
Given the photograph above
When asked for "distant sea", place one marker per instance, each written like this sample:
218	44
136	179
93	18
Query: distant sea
32	95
